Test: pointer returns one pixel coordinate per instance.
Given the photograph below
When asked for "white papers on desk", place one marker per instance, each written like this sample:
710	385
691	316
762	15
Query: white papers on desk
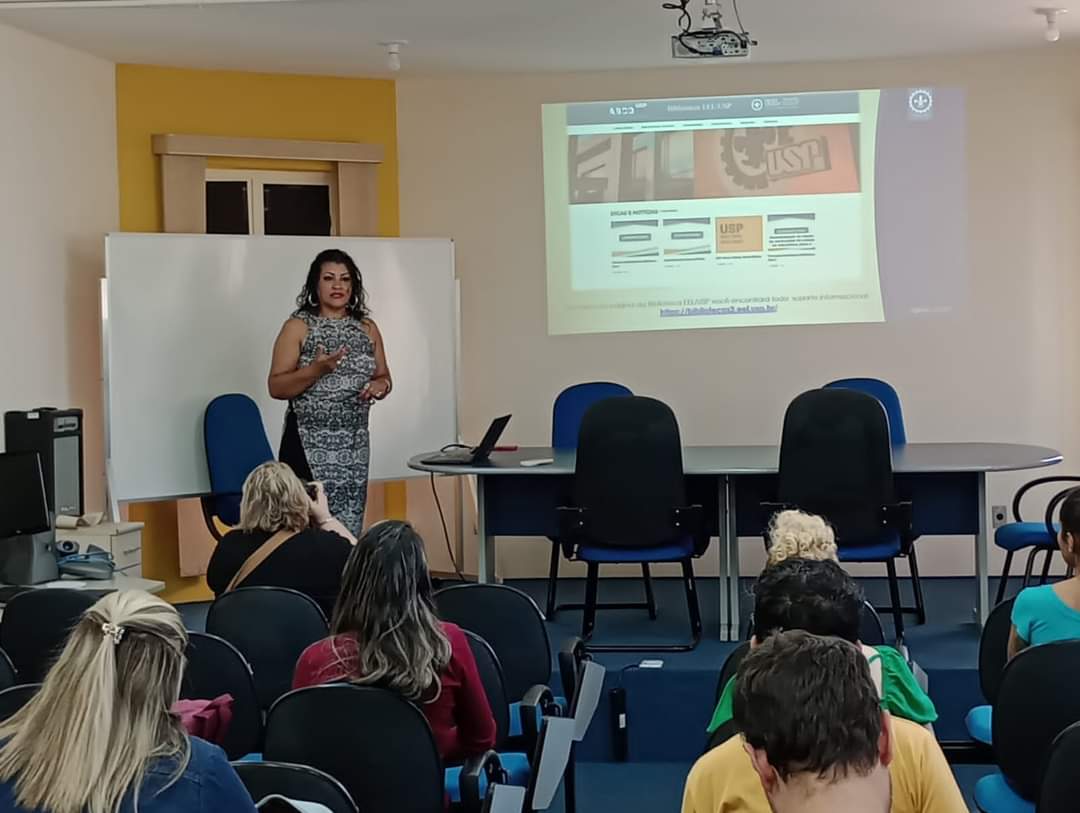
70	523
67	584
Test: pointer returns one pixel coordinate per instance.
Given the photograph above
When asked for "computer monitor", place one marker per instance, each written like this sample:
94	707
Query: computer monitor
23	507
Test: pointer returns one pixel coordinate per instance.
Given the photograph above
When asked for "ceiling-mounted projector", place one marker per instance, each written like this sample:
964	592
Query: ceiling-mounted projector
710	45
712	40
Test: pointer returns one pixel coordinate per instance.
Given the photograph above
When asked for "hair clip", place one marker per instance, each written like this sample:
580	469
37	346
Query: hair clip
114	631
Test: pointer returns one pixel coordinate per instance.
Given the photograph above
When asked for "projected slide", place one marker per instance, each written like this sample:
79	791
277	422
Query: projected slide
809	208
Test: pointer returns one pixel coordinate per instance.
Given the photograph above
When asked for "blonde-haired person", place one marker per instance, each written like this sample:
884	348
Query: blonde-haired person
99	738
385	632
795	534
305	548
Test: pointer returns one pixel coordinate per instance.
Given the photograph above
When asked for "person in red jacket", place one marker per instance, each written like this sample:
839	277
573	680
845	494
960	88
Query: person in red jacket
385	632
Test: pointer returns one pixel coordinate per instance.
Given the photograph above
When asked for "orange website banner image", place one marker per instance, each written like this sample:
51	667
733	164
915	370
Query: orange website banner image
817	159
743	162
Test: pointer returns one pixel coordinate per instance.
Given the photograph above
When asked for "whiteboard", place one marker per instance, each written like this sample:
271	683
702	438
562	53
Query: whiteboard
189	317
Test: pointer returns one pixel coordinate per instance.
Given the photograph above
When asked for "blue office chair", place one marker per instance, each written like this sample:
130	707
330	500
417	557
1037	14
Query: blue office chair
630	504
993	658
888	398
1039	536
236	444
1036	702
566	414
836	461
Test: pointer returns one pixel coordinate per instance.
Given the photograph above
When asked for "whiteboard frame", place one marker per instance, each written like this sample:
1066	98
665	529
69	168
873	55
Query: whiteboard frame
113	503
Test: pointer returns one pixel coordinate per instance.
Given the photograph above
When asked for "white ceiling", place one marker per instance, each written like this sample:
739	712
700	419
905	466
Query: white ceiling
341	36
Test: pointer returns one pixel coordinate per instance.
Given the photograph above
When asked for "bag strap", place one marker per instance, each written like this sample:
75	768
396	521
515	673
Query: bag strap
258	557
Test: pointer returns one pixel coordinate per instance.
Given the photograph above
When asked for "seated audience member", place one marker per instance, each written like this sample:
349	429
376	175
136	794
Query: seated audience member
821	598
798	535
385	632
1042	615
299	544
99	738
815	739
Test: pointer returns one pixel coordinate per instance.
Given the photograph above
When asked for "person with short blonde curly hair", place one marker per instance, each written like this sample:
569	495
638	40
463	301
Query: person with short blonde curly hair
795	534
306	547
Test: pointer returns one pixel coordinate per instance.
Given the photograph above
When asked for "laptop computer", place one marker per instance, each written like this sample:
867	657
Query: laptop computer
476	455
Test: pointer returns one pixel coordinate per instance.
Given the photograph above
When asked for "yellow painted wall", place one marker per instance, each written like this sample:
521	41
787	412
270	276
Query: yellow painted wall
152	100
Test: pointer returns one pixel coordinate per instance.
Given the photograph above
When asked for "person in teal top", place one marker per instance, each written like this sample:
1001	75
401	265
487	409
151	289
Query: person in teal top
1042	615
820	598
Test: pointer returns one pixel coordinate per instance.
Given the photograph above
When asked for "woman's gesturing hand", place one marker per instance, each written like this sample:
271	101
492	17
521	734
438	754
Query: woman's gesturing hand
328	362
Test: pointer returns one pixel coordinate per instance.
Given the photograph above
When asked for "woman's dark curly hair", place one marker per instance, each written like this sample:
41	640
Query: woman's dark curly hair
308	300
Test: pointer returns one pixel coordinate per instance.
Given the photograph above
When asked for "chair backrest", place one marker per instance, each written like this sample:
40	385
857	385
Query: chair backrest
836	460
570	407
994	649
271	626
299	782
1061	781
1037	700
491	676
35	627
871	632
236	443
886	394
14	698
373	741
629	474
510	622
8	678
215	667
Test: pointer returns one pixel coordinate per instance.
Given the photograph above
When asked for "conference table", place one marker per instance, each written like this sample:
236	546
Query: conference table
945	482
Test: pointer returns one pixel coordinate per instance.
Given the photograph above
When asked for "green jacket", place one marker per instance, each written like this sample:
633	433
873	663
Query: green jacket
900	694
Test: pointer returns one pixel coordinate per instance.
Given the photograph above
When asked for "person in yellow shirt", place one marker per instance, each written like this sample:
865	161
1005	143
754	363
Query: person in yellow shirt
815	739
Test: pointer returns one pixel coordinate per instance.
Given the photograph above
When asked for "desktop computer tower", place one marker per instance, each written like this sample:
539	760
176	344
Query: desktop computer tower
57	436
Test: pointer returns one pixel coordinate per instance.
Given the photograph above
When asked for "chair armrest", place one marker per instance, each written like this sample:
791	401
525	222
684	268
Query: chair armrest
898	515
1026	487
571	655
538	702
1051	506
488	765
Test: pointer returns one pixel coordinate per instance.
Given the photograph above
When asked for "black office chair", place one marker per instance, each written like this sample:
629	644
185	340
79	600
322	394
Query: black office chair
630	505
298	782
8	678
511	623
836	461
1061	781
516	763
1039	536
216	667
993	658
36	624
271	626
1036	701
14	698
373	741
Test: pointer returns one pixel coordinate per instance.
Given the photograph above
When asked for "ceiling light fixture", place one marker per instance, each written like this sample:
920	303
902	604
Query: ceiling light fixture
393	53
1053	33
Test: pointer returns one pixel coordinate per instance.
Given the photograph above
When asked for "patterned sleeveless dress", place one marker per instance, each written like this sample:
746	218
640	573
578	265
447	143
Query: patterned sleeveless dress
331	419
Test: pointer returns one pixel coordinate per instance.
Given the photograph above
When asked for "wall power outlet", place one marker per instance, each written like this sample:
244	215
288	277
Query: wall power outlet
1000	515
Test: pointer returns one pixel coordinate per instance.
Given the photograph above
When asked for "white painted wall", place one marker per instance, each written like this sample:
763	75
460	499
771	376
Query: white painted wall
58	198
1005	369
